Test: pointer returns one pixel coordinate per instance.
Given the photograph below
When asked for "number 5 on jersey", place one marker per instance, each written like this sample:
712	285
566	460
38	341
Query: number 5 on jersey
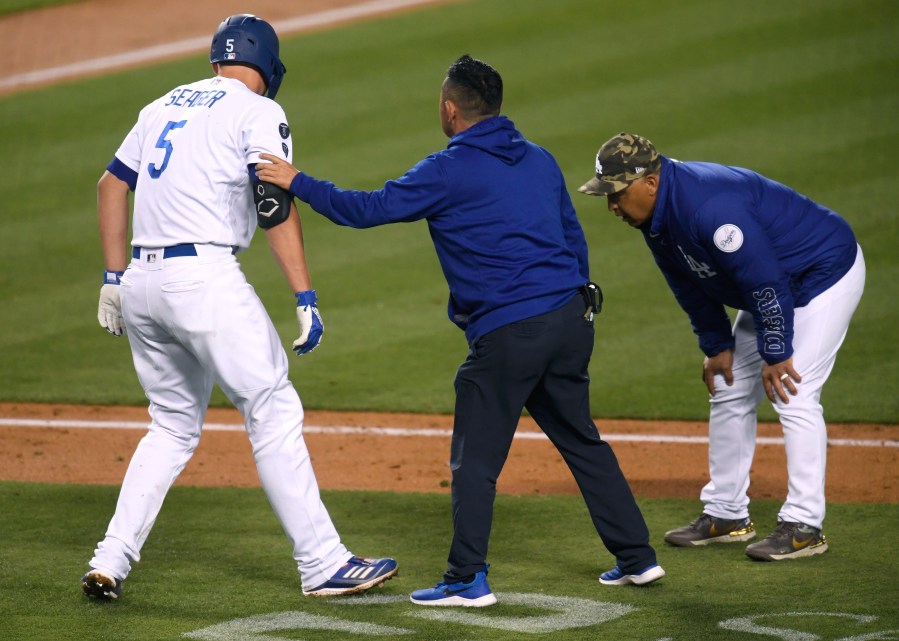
164	143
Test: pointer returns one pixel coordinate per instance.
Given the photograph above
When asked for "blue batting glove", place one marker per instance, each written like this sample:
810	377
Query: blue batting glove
310	321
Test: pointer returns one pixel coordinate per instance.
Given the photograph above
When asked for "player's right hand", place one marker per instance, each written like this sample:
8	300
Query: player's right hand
110	311
310	322
718	364
276	171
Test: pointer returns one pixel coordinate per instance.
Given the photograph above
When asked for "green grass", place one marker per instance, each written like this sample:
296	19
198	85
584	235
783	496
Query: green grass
805	92
216	555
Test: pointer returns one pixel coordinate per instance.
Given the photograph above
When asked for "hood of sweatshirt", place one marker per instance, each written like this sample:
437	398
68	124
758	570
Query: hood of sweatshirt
496	136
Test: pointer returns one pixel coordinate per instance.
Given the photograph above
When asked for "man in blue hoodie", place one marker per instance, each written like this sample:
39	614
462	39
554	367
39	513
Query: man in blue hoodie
515	258
729	236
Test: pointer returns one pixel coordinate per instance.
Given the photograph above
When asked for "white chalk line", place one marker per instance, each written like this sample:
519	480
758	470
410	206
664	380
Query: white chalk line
192	45
406	432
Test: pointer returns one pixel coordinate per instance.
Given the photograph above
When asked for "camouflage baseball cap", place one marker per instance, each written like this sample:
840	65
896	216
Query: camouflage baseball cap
621	160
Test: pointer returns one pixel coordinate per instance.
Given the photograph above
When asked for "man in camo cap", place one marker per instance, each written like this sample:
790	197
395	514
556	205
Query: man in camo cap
727	236
620	161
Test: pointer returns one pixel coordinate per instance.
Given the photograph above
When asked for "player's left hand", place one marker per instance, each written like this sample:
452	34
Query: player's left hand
310	321
109	313
276	171
780	378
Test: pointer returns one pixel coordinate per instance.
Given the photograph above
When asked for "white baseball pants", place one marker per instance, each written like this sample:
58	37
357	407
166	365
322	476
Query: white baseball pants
819	330
193	322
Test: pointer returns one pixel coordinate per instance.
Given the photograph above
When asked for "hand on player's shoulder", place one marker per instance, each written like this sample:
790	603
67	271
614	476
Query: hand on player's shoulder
275	170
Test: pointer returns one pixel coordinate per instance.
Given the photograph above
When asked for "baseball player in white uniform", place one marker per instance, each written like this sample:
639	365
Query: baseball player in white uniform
191	317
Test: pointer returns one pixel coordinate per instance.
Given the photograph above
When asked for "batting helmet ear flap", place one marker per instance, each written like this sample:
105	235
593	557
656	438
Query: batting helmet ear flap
248	39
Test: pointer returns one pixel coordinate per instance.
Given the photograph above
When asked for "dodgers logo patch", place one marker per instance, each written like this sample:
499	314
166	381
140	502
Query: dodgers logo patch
728	238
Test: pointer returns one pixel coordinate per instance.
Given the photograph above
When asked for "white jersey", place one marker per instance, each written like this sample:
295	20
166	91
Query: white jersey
190	150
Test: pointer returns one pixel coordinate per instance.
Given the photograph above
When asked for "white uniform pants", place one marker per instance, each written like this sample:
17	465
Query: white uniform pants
192	322
819	330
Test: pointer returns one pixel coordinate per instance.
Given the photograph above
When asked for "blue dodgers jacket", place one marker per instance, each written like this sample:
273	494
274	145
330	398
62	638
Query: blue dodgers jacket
729	236
506	234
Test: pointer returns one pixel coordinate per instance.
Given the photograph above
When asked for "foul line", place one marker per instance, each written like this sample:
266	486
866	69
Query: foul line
191	45
412	432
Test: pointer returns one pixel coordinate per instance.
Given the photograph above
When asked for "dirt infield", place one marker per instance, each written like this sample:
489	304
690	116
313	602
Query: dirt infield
82	38
419	463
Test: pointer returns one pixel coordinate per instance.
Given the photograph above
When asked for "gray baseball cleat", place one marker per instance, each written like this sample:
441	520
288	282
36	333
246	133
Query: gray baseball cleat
710	529
789	540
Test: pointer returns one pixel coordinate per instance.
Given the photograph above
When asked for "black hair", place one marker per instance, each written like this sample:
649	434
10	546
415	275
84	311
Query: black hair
475	87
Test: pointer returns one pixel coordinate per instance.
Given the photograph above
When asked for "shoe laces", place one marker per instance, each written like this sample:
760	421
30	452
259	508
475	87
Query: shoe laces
452	587
701	521
789	528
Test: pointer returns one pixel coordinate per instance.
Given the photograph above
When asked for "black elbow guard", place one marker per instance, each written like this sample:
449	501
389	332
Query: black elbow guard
272	204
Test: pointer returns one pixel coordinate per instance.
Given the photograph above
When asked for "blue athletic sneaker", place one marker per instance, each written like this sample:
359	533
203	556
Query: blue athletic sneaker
101	586
356	575
645	576
474	594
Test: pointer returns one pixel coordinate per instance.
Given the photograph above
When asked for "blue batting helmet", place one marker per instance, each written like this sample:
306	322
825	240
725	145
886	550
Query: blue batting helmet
248	39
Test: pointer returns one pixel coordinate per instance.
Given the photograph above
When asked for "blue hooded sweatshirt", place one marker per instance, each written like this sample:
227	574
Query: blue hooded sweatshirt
506	234
729	236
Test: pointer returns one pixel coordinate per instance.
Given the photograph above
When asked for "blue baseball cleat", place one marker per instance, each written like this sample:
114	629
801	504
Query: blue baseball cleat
473	594
356	575
616	576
